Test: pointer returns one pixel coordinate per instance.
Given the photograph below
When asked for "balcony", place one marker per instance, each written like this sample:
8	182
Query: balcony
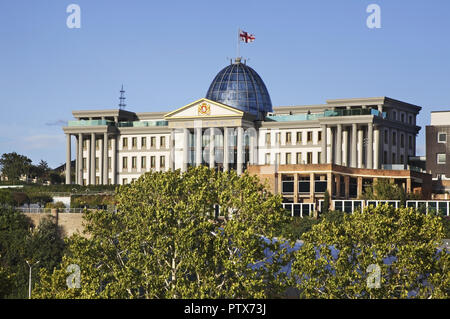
309	117
143	123
90	123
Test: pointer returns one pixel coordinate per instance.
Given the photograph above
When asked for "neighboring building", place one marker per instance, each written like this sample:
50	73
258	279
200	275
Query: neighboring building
359	138
438	151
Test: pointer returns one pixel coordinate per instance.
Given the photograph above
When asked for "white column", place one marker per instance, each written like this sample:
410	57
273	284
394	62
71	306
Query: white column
88	161
345	161
105	158
185	149
172	150
240	142
225	149
113	160
339	145
353	150
252	146
331	158
369	146
323	159
68	159
198	146
211	148
360	147
92	171
376	157
80	159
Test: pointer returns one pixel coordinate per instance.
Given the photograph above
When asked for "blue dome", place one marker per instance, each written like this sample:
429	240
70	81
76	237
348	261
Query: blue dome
239	86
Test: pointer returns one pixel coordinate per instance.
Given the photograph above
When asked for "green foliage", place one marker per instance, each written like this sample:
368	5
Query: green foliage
20	198
91	201
6	198
382	189
364	238
446	222
55	205
20	242
40	198
326	202
300	225
164	241
14	165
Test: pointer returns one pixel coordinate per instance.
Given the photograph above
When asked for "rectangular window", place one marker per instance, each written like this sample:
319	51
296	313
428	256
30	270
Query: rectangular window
319	157
134	162
278	138
402	159
442	137
267	138
403	117
143	162
385	156
152	161
134	142
162	142
97	144
124	181
109	163
267	159
84	181
441	158
394	138
309	136
393	158
84	166
97	166
402	140
97	180
125	162
153	141
309	158
162	162
288	158
299	158
299	137
319	136
143	142
288	138
125	142
410	120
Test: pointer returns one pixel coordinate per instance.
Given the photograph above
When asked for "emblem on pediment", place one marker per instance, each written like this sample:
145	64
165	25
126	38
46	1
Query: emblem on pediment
204	109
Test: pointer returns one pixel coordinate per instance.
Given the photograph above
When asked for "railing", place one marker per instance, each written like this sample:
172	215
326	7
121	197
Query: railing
49	210
299	209
143	123
90	123
435	207
315	116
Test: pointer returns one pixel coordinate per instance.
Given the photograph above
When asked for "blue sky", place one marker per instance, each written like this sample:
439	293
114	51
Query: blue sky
166	53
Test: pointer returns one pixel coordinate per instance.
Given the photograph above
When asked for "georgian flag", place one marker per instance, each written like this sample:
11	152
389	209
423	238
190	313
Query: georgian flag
246	37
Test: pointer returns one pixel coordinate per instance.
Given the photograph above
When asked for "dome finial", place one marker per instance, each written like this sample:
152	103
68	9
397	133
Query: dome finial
237	60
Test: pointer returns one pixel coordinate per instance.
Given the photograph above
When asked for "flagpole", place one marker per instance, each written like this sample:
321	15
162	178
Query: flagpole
238	43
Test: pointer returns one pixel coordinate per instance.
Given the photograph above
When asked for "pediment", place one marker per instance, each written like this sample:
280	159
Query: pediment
204	108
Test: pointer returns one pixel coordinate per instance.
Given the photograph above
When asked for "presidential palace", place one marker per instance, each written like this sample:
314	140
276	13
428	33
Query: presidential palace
341	146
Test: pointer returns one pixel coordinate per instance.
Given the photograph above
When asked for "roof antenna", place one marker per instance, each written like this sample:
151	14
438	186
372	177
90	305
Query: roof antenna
122	99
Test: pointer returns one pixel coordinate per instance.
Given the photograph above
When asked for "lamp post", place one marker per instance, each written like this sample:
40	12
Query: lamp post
29	280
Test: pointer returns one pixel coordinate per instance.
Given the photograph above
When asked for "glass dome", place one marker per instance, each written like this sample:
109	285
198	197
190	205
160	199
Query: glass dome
239	86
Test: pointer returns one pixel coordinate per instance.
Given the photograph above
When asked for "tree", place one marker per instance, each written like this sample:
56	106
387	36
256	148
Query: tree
382	189
337	259
14	165
326	203
19	241
165	242
41	171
